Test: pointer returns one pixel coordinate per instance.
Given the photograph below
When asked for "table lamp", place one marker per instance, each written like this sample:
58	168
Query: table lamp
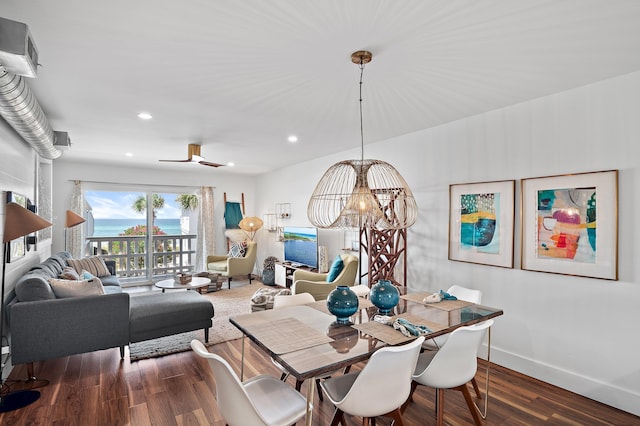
72	220
251	225
18	222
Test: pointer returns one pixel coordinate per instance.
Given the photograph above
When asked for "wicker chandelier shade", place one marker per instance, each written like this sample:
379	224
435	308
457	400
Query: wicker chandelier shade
362	193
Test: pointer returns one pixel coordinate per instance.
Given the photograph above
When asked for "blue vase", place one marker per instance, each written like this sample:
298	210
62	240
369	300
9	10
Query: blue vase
342	302
385	296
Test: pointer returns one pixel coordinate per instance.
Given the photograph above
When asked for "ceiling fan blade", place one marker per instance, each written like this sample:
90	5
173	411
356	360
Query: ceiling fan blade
208	163
176	161
194	157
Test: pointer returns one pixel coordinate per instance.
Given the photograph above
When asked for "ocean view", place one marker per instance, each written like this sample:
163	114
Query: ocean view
114	227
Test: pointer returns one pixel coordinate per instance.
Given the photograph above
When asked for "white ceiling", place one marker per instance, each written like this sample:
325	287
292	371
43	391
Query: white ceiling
240	76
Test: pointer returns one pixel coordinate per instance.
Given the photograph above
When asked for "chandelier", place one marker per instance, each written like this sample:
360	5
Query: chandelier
362	193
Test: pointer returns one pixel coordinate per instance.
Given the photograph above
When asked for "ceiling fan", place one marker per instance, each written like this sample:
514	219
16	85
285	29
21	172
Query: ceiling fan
194	157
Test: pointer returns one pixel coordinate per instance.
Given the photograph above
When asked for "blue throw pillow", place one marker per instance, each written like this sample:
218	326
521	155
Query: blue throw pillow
335	270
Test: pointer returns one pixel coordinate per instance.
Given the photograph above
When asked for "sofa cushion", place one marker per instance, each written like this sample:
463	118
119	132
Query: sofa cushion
335	269
220	266
68	273
34	285
238	249
93	264
73	288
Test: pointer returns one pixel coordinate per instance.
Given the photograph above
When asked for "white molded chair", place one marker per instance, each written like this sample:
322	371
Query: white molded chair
282	301
453	366
462	293
261	400
380	389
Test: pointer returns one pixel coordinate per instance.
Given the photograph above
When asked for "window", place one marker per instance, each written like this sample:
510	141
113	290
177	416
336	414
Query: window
118	224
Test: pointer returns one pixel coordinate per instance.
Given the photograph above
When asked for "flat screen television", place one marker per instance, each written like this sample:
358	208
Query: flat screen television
301	245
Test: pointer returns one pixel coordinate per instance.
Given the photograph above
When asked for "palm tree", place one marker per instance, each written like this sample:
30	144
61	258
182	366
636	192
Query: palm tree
140	206
187	201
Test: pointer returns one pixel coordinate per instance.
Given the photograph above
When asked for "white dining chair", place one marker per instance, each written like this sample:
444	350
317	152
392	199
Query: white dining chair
261	400
461	293
380	389
452	366
468	295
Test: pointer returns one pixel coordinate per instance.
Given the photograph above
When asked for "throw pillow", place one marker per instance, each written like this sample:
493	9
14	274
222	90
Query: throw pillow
238	249
86	275
68	273
71	288
92	264
336	268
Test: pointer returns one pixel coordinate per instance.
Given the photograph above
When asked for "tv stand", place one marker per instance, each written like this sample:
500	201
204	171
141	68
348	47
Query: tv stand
285	270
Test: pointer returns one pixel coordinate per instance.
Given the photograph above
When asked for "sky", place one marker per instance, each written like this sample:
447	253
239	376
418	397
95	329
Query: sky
118	205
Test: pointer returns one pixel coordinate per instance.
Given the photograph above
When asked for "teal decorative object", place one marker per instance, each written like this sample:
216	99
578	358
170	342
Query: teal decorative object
385	296
342	302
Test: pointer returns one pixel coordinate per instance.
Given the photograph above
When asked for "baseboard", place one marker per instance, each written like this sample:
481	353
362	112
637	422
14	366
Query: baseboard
606	393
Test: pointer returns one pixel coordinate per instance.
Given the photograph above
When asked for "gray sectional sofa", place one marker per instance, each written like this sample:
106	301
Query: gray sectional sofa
44	327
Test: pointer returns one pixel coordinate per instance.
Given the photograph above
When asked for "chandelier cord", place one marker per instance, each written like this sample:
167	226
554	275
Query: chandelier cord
361	125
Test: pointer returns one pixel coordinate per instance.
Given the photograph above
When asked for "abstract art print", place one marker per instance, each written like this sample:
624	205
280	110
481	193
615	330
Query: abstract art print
570	224
481	217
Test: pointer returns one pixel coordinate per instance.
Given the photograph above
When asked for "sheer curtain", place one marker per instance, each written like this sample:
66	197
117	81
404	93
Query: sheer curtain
206	230
75	235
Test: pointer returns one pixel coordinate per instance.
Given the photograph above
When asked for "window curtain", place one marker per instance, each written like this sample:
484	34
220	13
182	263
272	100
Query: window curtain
232	215
75	234
206	230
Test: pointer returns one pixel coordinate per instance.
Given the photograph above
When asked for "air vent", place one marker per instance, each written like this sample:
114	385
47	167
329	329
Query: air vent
61	140
18	52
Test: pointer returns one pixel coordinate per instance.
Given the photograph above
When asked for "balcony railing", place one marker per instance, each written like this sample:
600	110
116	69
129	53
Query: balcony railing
172	254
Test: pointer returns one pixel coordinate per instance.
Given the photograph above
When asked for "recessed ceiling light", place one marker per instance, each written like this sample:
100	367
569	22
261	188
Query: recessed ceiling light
129	154
145	116
230	164
292	138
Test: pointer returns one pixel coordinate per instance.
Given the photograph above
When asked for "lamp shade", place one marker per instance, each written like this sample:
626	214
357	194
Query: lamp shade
251	224
73	219
362	194
19	222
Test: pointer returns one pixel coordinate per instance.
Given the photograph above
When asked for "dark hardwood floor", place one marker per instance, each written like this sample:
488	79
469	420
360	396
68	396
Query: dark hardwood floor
100	389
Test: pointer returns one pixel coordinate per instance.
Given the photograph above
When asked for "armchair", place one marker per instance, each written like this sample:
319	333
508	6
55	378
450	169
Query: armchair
230	267
316	283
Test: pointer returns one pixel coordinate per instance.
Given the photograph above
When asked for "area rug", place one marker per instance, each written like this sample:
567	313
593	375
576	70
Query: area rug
226	303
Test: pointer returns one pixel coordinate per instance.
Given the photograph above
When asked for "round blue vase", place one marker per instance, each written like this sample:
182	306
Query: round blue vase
385	296
342	302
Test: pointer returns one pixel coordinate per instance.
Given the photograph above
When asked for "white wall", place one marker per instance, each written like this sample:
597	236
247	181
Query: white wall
18	174
577	333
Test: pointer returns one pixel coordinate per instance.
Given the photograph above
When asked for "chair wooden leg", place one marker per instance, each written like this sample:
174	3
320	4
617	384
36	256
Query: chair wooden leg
396	415
206	334
467	397
439	407
320	397
298	385
229	282
338	417
283	377
476	388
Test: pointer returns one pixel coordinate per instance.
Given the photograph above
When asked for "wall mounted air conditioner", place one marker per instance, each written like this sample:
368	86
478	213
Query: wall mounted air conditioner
18	52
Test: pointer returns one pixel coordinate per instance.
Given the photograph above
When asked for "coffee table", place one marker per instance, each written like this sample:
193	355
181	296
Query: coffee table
171	284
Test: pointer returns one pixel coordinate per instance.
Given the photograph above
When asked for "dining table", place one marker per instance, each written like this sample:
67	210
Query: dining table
309	343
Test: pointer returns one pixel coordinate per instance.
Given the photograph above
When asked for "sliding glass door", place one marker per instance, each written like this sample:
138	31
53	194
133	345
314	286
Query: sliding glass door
119	224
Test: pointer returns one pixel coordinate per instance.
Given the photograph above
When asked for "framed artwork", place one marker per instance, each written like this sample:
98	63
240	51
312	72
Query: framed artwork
17	247
481	217
570	224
